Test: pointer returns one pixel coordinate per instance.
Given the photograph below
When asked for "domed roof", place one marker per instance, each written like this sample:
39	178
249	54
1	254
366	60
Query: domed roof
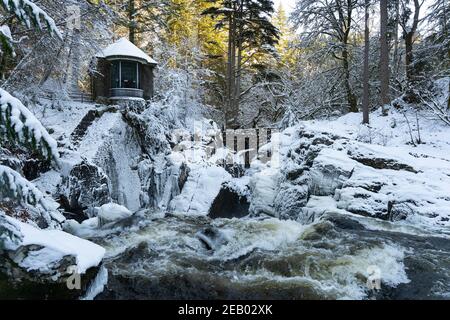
124	48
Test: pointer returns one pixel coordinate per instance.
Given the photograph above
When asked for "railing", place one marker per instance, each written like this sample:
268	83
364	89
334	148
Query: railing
69	96
126	92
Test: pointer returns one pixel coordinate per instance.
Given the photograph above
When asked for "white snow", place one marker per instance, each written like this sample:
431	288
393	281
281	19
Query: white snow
56	245
111	212
124	48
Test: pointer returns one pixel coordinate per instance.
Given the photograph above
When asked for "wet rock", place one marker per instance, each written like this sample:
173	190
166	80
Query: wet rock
212	238
229	204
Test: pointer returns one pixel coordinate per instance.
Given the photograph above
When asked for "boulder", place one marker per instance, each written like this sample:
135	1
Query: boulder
112	212
86	187
212	238
50	264
229	203
331	168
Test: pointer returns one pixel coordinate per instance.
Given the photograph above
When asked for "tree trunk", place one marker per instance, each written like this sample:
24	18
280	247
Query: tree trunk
237	96
232	107
365	103
384	56
132	21
228	84
409	58
409	40
347	21
351	98
396	50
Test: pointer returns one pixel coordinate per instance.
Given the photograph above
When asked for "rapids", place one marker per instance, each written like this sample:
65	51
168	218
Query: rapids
162	256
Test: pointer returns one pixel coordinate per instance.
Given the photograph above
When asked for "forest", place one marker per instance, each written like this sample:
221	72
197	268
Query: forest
225	149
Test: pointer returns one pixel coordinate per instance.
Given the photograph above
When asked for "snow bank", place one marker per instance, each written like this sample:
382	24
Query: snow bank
57	244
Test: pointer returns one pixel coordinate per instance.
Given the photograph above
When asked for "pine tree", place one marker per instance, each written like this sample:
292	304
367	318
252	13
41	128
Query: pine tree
134	18
250	33
284	46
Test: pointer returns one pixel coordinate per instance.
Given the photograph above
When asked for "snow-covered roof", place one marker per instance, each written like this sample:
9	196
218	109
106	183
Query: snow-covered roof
124	48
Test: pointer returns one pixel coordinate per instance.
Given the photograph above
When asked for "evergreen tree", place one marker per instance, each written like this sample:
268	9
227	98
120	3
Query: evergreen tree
17	124
285	44
250	34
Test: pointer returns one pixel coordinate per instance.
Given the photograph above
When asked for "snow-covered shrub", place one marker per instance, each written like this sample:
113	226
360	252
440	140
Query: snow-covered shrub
10	236
30	14
14	186
19	125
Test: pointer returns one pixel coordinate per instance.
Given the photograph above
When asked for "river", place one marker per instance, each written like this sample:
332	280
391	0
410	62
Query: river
176	256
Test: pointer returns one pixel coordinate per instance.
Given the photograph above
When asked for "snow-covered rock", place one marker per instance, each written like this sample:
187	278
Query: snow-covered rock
86	187
264	187
232	200
200	190
83	229
44	260
330	170
112	212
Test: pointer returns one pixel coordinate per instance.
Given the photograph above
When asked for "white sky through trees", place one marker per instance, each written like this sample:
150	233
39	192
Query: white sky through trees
287	4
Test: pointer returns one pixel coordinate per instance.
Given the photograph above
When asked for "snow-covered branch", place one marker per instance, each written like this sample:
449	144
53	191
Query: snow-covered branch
19	125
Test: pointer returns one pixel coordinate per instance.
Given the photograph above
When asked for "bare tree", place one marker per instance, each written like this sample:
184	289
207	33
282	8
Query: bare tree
334	20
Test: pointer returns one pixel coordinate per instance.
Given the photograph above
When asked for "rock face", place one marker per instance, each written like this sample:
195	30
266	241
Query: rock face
363	179
86	187
161	181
